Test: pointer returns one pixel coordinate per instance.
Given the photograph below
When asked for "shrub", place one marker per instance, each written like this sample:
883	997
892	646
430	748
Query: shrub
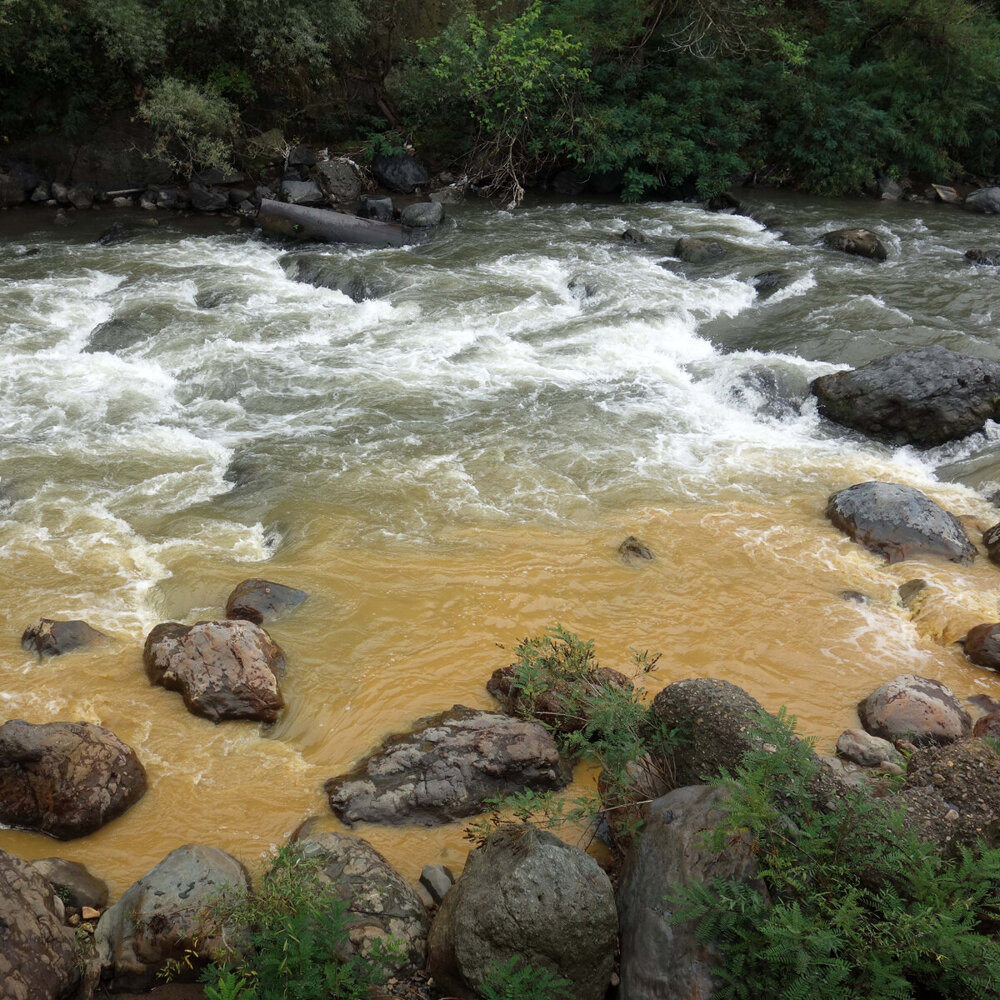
513	980
850	903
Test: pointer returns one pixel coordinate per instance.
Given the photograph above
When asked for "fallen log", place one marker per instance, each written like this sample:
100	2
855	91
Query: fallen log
326	226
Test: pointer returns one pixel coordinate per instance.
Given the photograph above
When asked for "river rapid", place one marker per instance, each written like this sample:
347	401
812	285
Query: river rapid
450	467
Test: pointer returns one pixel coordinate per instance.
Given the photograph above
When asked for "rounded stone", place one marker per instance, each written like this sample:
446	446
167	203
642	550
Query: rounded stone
917	709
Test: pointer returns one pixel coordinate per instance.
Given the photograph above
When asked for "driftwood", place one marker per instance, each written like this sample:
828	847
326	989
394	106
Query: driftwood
321	224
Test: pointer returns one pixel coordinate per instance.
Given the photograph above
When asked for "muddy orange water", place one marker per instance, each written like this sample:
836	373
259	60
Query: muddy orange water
446	463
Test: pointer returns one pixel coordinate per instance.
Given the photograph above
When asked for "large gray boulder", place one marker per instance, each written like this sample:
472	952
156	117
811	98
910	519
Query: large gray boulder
37	957
985	201
924	397
164	916
400	172
339	180
422	215
66	779
661	957
916	709
223	670
301	192
693	250
716	721
446	768
381	903
528	896
899	522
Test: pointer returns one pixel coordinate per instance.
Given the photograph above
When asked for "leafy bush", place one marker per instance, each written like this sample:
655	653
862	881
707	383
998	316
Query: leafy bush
513	980
299	946
850	903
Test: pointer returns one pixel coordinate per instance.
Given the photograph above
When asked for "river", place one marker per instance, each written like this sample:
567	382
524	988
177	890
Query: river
450	467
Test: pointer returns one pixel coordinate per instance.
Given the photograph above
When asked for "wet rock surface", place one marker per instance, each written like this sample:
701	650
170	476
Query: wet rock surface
446	768
857	242
66	779
661	958
422	215
381	902
982	646
926	396
223	670
898	522
37	955
985	201
261	601
160	918
322	271
692	250
526	895
991	539
917	709
632	552
74	884
53	638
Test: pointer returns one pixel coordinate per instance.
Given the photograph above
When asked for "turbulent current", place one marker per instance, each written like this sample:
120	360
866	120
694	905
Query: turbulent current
449	465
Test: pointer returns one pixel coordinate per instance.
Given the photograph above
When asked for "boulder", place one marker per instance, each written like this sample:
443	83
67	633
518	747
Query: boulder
561	706
81	196
399	172
986	201
527	896
381	903
223	670
380	209
206	199
724	202
323	271
164	917
37	955
437	880
73	883
66	779
768	282
696	251
632	552
122	332
716	719
636	236
339	181
422	215
914	708
53	638
952	795
60	193
982	646
991	539
858	242
261	601
301	193
909	592
898	522
989	257
301	156
116	233
446	768
862	748
42	192
661	957
988	725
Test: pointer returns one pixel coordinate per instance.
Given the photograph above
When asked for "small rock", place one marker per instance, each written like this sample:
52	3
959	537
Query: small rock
869	751
437	880
768	282
987	726
991	539
301	156
857	242
854	597
989	257
982	646
453	195
910	591
261	601
724	202
986	201
53	638
633	236
81	196
633	552
89	913
422	215
380	209
339	181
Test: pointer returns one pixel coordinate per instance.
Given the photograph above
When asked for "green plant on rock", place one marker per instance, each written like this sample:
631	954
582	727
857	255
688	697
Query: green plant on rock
299	946
514	980
849	903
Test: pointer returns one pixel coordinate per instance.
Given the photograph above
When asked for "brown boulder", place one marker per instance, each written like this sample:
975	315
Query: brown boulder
447	768
223	670
916	709
66	779
634	553
982	646
991	539
858	242
52	638
261	601
37	957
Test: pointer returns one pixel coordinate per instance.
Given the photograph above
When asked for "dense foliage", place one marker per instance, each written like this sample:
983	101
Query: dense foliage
642	95
849	903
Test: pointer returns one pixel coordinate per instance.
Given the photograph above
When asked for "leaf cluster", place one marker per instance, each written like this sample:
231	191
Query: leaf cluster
514	980
848	902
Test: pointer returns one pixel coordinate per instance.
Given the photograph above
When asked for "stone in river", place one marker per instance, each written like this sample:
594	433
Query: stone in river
224	670
917	709
65	779
982	646
261	601
898	522
634	553
925	397
697	251
857	242
446	768
53	638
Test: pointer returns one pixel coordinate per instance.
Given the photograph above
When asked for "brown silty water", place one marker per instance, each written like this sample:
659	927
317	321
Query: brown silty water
432	535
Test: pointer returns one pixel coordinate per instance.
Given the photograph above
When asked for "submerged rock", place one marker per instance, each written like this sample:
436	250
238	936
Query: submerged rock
38	960
223	670
446	768
989	257
914	708
322	271
53	638
526	896
66	779
898	522
768	282
632	552
925	397
985	201
697	251
982	646
381	903
161	918
261	601
857	242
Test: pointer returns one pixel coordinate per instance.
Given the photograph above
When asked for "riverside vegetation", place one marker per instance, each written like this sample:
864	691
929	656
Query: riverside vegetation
638	95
